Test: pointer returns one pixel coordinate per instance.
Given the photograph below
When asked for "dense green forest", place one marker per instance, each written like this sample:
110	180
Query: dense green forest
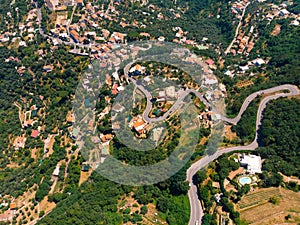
200	20
246	127
280	137
95	202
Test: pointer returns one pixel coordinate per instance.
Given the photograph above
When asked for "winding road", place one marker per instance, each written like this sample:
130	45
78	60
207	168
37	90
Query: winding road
196	211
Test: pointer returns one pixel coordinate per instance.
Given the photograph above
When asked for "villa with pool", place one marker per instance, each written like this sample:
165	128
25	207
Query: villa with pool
251	162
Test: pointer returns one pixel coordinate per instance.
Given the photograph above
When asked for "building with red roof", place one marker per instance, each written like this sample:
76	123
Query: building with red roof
35	133
115	89
209	62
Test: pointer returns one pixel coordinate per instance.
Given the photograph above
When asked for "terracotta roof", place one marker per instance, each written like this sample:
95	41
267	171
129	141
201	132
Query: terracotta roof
35	133
13	205
210	62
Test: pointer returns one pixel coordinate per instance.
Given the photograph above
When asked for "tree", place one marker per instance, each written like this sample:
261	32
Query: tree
144	209
199	177
163	204
288	216
274	200
206	219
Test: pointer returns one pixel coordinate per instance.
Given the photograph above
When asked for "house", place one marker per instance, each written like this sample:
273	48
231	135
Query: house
28	122
115	89
7	215
35	133
105	33
70	118
75	36
283	12
137	70
107	137
95	17
138	124
118	107
209	62
105	150
250	47
251	162
80	3
258	62
48	68
295	23
244	68
95	139
118	37
56	171
49	5
144	34
171	92
68	2
13	206
91	125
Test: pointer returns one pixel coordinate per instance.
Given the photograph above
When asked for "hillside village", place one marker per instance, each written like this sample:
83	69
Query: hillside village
91	30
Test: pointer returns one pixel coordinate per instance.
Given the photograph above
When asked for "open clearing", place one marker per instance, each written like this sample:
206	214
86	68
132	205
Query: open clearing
258	197
264	212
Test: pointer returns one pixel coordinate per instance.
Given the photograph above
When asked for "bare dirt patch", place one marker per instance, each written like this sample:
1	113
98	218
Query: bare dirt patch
276	30
151	217
84	176
268	213
34	153
46	206
229	134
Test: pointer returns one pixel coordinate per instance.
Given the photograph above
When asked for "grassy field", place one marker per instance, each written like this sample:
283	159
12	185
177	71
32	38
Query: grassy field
258	197
263	212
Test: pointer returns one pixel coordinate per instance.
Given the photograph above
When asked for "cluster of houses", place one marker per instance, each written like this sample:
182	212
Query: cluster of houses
26	31
208	118
243	70
214	91
101	40
26	121
9	214
80	31
248	34
181	37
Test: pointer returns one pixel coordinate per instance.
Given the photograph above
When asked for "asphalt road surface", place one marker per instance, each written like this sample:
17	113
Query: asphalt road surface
196	211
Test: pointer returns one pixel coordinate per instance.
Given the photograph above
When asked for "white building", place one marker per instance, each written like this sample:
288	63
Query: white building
56	171
171	92
251	162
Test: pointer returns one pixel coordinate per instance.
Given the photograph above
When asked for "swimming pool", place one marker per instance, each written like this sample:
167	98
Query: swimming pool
245	180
